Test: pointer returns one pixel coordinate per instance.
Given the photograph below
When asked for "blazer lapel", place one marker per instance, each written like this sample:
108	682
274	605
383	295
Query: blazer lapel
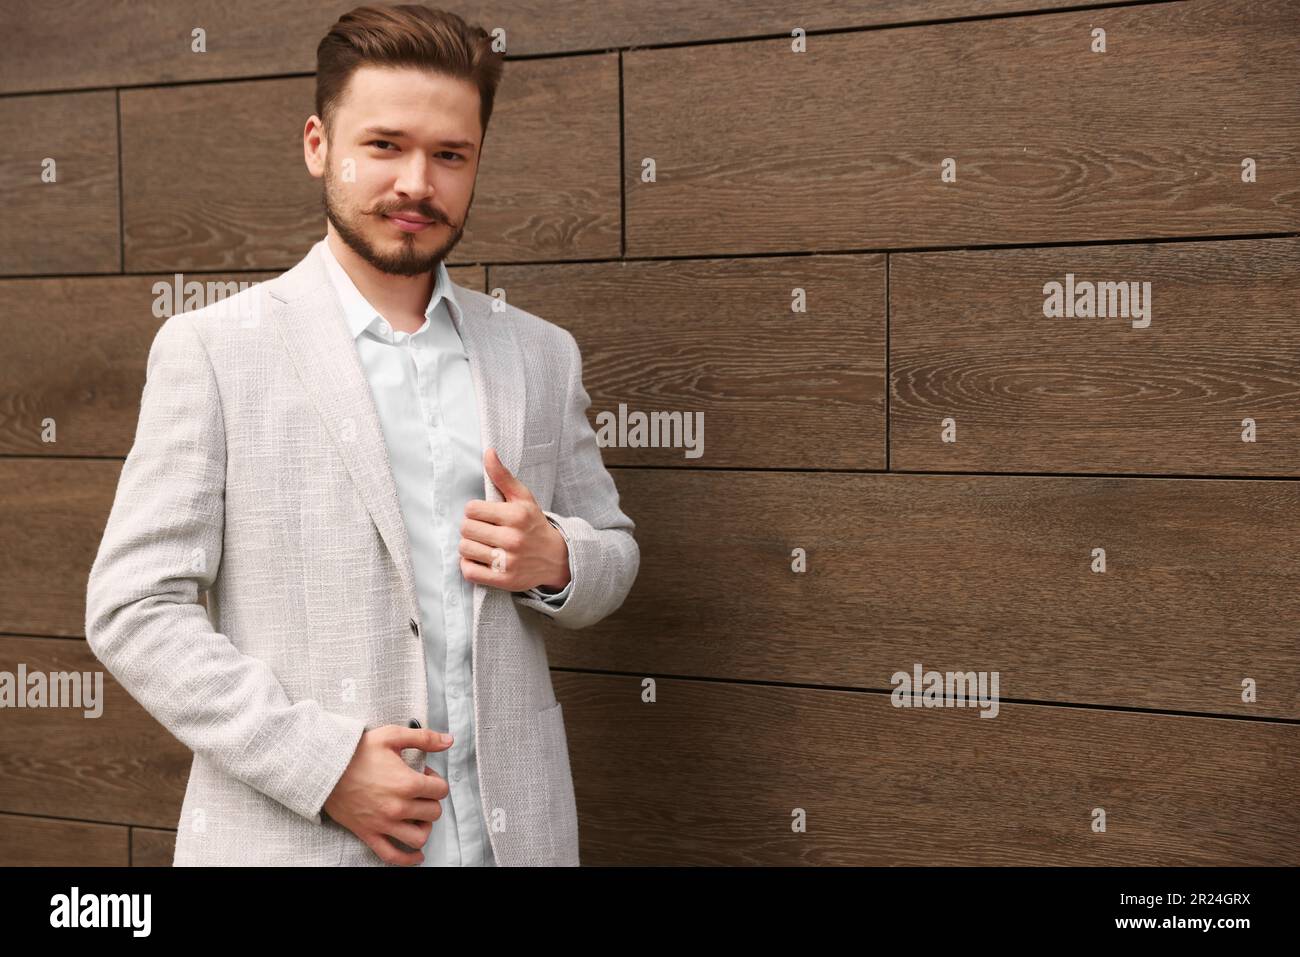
309	319
498	373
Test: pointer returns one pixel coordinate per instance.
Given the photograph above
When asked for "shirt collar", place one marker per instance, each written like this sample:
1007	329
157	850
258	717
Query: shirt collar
361	315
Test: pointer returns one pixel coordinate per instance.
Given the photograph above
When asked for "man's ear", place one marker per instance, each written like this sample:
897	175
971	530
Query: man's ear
315	146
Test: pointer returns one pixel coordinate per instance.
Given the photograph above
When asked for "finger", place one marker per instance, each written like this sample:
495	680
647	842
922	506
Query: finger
432	787
494	536
494	513
391	855
492	556
422	811
479	574
412	835
511	488
423	739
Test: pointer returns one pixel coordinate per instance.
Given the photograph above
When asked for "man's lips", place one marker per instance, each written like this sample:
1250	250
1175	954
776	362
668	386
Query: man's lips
408	223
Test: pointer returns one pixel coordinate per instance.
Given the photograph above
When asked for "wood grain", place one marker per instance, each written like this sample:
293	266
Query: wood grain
121	767
80	43
1032	393
151	847
712	774
213	176
841	147
52	516
44	842
963	573
69	225
717	341
78	352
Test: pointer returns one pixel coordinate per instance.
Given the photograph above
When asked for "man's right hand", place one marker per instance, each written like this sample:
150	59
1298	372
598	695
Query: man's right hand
380	796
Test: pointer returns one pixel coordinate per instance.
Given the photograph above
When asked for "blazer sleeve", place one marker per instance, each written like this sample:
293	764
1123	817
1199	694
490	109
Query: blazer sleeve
603	555
161	545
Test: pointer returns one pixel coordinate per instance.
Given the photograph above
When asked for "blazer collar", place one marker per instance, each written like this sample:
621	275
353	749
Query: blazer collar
310	321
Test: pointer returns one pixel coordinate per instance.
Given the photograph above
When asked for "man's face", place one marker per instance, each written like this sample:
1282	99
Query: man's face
399	166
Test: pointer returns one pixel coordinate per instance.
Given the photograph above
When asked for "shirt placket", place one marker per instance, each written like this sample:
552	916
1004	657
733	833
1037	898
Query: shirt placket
456	674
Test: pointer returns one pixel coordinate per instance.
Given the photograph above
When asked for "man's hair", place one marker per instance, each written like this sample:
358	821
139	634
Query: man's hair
408	35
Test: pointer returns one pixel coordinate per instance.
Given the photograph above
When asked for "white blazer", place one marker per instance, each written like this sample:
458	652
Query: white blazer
259	472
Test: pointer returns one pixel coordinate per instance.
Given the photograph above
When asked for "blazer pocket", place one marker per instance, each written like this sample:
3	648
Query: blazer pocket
537	470
537	454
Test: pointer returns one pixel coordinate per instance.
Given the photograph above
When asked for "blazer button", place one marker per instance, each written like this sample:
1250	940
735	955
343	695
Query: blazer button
415	627
413	723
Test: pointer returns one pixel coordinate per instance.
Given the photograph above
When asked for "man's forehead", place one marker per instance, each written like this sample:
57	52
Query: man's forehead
391	98
409	83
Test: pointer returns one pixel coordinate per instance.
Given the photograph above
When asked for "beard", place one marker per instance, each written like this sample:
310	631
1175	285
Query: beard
406	258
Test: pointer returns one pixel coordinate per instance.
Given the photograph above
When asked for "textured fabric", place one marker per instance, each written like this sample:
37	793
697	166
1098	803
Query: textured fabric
260	473
424	396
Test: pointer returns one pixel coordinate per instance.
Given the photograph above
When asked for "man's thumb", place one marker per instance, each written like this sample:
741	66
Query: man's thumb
505	481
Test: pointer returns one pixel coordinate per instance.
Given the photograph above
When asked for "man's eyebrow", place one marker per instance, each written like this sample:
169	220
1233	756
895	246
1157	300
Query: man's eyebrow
399	134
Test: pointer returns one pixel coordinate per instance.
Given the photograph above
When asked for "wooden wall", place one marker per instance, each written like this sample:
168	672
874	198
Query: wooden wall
775	171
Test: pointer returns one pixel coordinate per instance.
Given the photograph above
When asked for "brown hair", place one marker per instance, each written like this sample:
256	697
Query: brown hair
406	35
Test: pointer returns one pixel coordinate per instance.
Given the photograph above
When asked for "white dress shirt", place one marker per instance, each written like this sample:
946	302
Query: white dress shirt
429	415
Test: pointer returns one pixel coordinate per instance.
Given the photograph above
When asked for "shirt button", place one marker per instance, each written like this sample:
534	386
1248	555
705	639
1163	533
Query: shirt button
413	723
415	628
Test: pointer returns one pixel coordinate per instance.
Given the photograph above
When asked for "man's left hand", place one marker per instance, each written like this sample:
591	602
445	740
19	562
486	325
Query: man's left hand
511	544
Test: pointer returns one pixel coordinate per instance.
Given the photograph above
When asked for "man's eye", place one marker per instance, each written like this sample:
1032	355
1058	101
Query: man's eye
377	142
451	154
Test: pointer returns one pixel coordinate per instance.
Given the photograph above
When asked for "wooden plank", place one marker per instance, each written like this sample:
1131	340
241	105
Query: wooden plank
550	185
246	200
713	774
533	28
119	766
1167	393
549	176
152	847
987	573
78	353
52	516
79	348
718	343
841	147
81	43
42	842
70	224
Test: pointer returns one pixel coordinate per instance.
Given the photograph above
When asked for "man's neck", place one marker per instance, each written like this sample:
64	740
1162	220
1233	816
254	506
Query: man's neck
401	300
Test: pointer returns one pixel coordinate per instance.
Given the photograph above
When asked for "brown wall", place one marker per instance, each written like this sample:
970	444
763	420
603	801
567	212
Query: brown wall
775	171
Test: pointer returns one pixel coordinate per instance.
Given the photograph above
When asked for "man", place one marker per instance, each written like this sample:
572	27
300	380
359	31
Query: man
381	478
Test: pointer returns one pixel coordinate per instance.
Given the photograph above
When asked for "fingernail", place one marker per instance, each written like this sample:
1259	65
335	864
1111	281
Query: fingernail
446	739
